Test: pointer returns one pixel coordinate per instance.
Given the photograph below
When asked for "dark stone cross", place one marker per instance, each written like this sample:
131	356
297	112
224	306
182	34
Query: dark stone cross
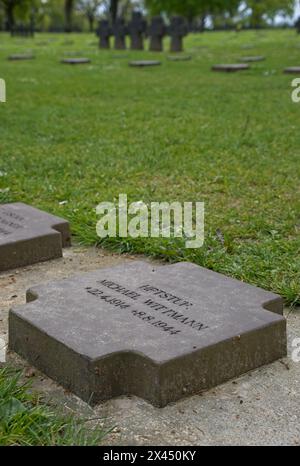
104	33
177	31
23	30
120	31
137	28
157	31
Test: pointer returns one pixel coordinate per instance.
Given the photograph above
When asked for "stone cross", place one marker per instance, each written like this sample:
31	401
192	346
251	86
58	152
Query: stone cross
120	32
23	30
104	33
157	30
177	31
137	29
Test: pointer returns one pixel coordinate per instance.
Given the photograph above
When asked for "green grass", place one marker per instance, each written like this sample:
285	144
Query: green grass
25	421
175	132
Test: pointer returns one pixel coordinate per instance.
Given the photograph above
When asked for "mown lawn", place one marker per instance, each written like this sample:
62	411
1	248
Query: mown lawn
26	421
71	137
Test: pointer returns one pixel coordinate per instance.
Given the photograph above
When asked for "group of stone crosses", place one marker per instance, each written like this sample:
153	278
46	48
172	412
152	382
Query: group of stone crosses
138	30
159	332
22	30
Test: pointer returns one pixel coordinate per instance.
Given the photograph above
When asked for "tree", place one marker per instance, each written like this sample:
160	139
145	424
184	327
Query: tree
113	9
9	11
90	9
268	9
192	9
69	6
120	8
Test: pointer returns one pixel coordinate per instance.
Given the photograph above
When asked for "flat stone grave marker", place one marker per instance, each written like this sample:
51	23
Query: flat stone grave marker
144	63
29	235
231	68
21	56
292	70
253	58
180	58
157	332
75	61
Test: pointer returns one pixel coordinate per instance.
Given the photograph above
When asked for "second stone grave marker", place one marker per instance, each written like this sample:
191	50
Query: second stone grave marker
29	235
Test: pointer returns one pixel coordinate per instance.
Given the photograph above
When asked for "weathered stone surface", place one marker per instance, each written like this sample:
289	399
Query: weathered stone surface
253	58
75	61
158	332
29	235
18	57
143	63
292	70
231	68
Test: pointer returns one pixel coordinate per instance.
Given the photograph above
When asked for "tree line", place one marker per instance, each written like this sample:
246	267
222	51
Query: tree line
77	15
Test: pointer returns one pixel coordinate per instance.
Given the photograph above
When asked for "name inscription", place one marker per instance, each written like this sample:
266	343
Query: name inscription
10	222
162	316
